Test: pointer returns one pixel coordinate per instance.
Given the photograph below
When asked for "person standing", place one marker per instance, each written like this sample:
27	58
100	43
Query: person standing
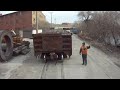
84	51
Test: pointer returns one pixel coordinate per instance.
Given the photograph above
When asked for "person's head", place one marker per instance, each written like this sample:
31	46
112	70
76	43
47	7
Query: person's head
83	43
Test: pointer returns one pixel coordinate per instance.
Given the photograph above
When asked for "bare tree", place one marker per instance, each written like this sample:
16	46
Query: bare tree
85	15
76	24
101	24
43	25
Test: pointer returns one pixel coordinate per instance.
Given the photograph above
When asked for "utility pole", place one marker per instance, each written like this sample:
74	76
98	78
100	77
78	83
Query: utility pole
51	18
55	20
36	22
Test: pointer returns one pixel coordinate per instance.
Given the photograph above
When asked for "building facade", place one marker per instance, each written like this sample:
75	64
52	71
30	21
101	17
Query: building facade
21	21
63	26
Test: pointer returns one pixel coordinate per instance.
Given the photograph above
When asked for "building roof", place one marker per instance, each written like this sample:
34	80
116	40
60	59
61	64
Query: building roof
9	13
17	12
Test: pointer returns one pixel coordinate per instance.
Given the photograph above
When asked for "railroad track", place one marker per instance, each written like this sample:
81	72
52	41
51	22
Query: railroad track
46	68
62	71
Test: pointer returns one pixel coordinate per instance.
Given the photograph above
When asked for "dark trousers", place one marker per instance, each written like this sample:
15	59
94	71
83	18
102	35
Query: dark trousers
84	57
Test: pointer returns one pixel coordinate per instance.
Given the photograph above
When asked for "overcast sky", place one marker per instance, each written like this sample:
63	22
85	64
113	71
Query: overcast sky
58	16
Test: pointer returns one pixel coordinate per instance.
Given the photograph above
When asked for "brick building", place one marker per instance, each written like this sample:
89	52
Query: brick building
23	22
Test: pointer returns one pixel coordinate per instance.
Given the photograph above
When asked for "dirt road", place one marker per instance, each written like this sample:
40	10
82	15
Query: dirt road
100	66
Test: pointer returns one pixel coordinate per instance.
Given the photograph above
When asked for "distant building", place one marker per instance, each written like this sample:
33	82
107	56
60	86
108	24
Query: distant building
67	24
23	22
64	26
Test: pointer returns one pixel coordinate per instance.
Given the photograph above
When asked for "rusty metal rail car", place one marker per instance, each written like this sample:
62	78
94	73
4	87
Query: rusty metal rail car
55	45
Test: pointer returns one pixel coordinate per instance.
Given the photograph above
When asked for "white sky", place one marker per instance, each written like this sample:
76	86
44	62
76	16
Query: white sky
60	16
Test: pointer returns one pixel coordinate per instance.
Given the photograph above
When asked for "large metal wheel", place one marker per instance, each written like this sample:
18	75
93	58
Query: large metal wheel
59	56
64	55
6	54
45	58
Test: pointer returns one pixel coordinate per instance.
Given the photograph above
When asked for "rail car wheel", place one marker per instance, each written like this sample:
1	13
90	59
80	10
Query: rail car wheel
59	56
6	45
62	57
42	56
45	58
69	56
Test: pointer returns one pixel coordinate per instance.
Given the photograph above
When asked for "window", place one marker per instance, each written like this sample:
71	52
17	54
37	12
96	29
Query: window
34	20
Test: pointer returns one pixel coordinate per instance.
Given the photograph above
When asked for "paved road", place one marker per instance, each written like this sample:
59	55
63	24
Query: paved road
100	66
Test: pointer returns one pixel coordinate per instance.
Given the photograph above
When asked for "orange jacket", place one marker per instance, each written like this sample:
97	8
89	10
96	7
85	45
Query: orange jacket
84	49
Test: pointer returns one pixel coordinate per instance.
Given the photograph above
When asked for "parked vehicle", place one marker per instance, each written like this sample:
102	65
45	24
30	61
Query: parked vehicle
75	31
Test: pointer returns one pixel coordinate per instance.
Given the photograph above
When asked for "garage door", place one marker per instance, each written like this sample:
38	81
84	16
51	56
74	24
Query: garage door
27	33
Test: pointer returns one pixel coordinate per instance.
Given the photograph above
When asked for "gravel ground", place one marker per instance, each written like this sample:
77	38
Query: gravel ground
100	66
